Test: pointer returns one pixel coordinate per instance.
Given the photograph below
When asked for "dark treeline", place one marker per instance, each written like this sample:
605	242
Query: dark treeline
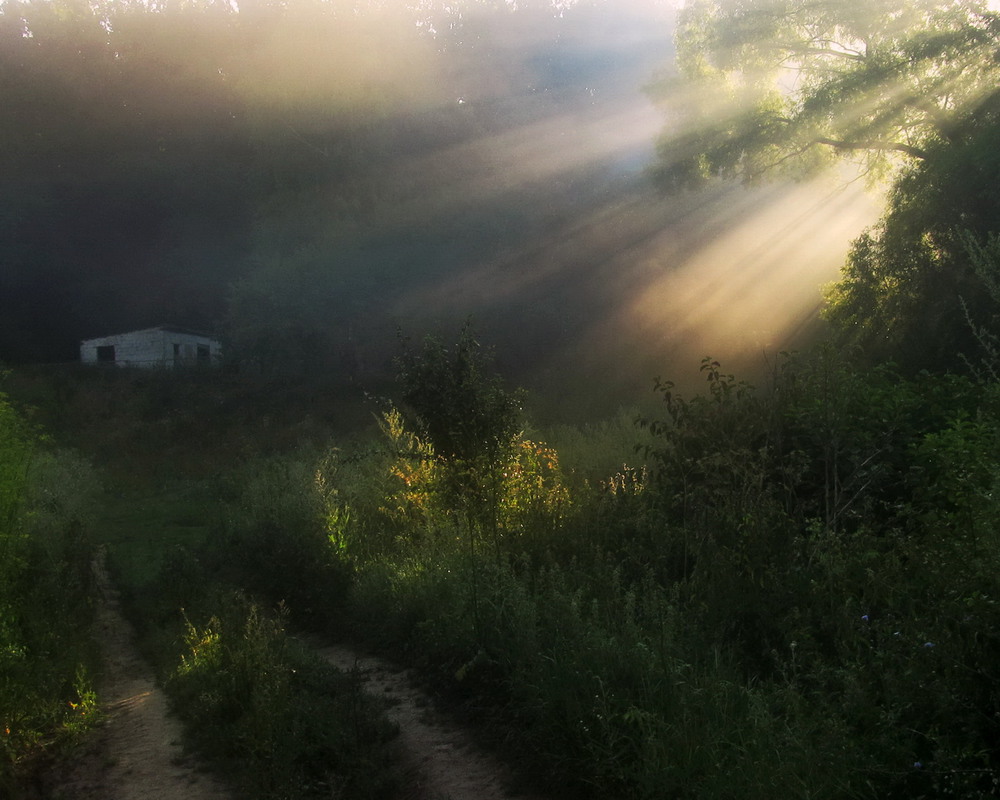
291	175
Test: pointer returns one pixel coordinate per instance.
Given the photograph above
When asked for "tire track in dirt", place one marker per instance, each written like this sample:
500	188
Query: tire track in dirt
440	760
136	753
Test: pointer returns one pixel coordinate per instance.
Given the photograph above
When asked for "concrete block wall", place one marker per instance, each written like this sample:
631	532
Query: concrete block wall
152	347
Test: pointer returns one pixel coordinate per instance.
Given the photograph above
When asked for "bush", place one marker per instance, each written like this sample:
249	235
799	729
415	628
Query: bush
278	538
798	597
280	721
47	656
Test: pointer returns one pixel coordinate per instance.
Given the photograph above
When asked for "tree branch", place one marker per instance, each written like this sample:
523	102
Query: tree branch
817	50
875	144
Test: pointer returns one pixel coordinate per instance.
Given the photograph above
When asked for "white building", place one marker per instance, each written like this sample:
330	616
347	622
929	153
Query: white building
162	346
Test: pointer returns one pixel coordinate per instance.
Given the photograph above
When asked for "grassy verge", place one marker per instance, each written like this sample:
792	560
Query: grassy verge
47	656
272	718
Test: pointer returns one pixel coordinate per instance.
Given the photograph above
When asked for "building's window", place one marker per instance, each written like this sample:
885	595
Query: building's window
204	353
106	354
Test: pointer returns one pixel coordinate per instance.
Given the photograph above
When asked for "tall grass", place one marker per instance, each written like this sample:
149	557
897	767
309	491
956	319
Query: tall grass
785	591
47	657
795	598
213	573
279	721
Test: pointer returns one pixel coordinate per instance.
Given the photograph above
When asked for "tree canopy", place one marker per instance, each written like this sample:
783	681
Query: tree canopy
911	290
787	85
905	88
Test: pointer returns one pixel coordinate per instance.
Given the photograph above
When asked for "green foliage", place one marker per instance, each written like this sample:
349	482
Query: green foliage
270	712
16	448
779	88
590	453
46	652
709	444
913	288
800	589
258	704
793	593
984	255
466	445
525	488
466	414
870	80
280	529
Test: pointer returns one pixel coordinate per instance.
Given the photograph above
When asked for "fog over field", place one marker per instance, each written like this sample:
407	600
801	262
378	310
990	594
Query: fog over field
328	172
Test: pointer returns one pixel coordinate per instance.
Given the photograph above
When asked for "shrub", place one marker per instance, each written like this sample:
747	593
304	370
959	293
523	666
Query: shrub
278	539
280	721
47	655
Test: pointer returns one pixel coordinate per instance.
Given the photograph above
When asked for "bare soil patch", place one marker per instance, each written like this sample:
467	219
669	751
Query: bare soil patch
440	759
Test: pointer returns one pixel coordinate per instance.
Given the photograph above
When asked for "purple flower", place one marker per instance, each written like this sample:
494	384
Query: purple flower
864	618
928	644
917	765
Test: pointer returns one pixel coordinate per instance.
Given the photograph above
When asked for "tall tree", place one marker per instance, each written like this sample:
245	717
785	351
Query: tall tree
904	87
786	85
910	290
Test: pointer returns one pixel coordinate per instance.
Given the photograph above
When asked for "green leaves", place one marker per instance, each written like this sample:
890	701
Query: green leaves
878	80
466	413
45	581
16	447
782	88
911	285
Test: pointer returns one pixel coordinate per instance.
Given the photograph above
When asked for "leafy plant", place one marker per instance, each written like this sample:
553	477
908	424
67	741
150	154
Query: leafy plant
275	716
47	657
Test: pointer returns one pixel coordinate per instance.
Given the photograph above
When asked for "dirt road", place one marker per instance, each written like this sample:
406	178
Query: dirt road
136	754
441	761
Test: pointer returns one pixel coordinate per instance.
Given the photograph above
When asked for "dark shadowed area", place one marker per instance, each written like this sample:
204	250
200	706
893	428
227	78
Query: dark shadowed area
306	178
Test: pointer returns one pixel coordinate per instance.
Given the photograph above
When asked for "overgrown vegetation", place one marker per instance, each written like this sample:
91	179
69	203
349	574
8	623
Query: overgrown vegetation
211	571
790	589
786	588
208	561
281	722
47	659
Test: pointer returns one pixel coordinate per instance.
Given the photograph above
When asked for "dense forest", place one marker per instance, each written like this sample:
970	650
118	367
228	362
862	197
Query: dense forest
777	584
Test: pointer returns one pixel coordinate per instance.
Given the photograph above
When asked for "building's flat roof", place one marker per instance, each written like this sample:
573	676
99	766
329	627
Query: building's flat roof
165	328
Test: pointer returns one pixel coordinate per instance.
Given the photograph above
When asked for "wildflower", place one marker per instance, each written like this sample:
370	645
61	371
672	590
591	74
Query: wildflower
864	618
928	644
917	765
